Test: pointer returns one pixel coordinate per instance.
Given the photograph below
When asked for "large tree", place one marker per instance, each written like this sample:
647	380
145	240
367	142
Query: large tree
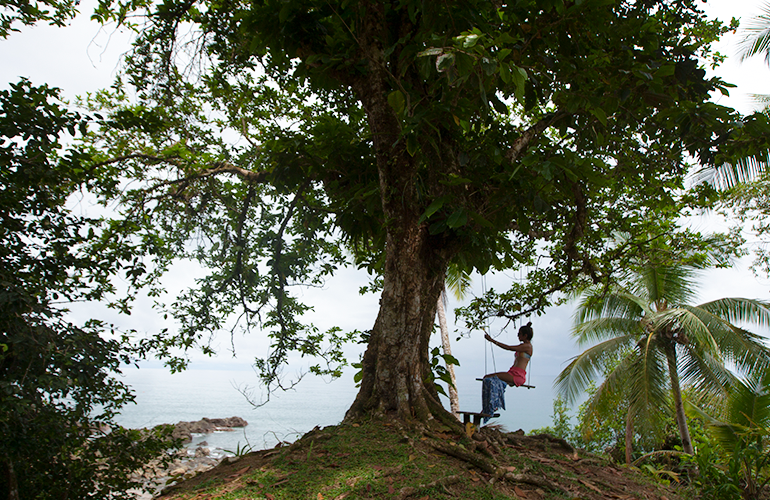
288	138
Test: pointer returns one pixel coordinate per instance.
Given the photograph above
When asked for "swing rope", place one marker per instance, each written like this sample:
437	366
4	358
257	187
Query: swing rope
528	385
486	330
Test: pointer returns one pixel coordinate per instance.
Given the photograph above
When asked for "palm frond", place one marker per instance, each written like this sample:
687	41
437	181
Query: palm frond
600	329
756	36
458	281
745	349
649	378
761	99
585	367
667	284
615	385
704	372
612	389
740	310
615	304
747	412
730	175
724	433
749	405
691	326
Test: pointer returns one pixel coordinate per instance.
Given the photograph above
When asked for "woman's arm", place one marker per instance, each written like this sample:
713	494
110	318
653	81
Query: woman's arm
517	348
504	346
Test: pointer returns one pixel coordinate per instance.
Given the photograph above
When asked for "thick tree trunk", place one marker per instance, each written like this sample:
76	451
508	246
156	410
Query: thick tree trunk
454	399
396	369
676	392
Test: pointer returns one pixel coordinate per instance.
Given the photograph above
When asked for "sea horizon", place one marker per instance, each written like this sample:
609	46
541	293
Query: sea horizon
218	392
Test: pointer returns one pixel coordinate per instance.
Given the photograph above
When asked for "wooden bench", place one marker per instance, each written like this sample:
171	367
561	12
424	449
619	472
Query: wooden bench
476	417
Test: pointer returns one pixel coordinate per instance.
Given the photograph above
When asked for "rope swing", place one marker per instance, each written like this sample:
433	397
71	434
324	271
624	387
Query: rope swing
528	383
493	387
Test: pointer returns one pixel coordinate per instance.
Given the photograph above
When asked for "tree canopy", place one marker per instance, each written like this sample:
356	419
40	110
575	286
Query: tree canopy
276	141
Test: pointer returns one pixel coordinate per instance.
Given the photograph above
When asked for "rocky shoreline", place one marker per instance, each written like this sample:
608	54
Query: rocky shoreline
187	462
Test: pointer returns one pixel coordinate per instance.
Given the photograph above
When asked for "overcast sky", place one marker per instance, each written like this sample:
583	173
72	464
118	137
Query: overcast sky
85	57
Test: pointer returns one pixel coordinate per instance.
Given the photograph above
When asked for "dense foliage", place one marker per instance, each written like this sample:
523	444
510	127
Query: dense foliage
274	142
58	393
286	139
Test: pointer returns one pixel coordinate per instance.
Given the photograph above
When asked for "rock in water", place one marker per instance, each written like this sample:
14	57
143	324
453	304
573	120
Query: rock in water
185	430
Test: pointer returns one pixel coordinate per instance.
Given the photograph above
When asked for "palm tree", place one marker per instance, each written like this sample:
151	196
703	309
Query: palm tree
458	282
454	398
667	342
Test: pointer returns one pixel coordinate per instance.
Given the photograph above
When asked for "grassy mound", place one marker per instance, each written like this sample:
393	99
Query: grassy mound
384	460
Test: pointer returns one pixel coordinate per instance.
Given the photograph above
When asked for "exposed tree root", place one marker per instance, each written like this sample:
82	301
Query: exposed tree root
498	472
543	441
457	452
412	491
533	480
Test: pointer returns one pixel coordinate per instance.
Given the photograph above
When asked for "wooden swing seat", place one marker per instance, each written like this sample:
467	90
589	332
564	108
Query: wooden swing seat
511	385
476	417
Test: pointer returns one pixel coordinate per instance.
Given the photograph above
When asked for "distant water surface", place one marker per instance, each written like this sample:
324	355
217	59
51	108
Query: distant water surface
162	397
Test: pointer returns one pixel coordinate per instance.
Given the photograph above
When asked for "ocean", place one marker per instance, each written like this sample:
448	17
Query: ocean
162	397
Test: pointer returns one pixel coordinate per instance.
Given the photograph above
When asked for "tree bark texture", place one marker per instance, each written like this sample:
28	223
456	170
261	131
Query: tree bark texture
12	492
396	369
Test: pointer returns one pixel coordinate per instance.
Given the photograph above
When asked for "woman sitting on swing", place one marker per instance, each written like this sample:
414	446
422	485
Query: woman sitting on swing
517	375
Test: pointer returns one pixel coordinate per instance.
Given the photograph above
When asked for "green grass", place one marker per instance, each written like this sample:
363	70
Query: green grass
380	460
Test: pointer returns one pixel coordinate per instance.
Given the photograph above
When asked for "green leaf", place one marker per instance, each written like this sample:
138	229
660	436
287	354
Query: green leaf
455	180
458	219
600	115
499	105
489	66
523	221
433	208
412	146
444	62
519	76
505	73
469	41
397	101
433	51
481	221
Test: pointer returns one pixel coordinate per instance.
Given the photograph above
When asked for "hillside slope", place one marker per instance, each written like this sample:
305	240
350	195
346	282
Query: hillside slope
379	459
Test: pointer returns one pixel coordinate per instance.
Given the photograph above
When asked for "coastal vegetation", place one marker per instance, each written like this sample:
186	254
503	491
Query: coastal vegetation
657	342
273	143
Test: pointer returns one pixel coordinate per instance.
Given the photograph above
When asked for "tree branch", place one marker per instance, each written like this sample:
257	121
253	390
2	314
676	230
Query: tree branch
522	142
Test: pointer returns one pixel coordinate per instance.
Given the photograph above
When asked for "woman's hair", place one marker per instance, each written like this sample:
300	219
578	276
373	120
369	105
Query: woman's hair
526	330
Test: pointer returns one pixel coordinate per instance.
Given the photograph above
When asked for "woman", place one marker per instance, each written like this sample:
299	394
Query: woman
517	375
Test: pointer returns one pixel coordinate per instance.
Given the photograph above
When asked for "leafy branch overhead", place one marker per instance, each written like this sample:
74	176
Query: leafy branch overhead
278	141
